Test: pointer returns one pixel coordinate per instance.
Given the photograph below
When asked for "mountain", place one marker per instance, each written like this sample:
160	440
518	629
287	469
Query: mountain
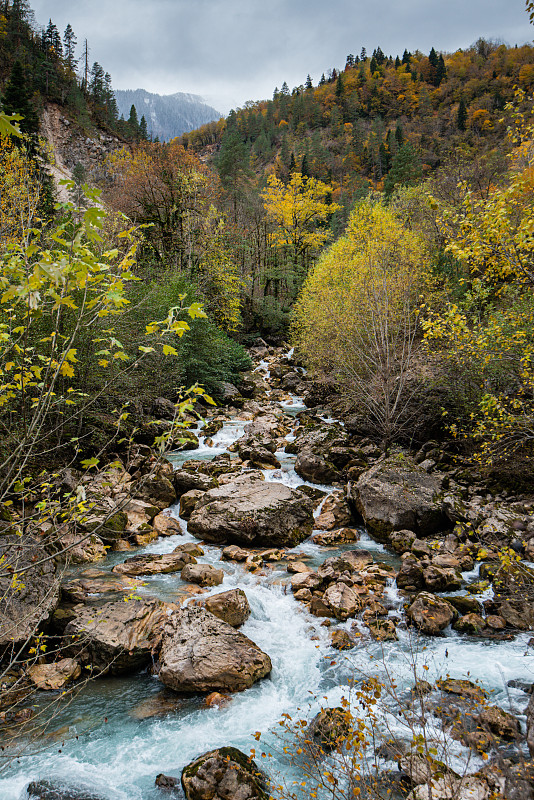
168	115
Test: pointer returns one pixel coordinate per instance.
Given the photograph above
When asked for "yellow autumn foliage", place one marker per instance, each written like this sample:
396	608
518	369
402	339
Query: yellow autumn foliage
489	335
356	319
295	210
19	192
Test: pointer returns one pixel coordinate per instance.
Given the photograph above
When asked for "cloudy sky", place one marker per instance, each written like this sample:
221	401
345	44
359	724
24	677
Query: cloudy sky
231	51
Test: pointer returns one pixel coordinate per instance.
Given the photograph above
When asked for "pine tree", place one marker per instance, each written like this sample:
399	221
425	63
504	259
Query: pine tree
350	61
52	39
363	54
406	169
304	167
339	86
133	122
109	100
379	56
69	47
322	81
441	70
308	84
399	135
373	66
97	84
285	89
143	130
406	57
397	62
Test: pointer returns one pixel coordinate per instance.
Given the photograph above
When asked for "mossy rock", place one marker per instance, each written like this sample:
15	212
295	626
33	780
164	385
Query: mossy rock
226	764
118	521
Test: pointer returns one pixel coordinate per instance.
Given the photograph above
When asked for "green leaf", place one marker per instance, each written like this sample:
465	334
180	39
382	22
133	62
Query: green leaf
88	463
8	124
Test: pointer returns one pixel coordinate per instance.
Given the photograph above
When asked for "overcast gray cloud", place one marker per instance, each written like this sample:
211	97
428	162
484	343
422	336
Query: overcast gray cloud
231	51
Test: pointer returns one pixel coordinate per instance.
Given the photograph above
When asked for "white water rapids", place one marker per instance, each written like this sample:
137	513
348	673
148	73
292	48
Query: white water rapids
98	744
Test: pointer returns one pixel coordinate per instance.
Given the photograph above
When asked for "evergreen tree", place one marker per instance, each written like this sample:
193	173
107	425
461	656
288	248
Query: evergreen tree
69	47
16	99
52	39
397	62
350	61
308	84
304	167
339	86
461	117
109	100
18	19
322	80
399	135
285	89
363	54
133	122
406	169
385	158
441	70
97	84
373	65
143	130
379	56
406	58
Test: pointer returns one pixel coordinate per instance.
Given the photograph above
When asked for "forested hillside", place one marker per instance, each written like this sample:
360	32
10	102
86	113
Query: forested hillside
43	65
381	118
377	125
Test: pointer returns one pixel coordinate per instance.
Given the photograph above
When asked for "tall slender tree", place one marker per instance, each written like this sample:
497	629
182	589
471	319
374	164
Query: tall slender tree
69	47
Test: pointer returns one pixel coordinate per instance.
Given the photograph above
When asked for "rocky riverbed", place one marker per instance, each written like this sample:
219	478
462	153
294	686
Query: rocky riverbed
278	560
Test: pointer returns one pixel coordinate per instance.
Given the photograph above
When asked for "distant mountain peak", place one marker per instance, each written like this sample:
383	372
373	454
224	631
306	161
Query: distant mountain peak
167	115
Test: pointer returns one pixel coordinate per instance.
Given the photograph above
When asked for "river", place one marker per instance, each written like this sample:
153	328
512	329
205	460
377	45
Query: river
101	742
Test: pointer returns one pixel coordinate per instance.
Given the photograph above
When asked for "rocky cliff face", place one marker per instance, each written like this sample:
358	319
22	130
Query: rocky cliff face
71	145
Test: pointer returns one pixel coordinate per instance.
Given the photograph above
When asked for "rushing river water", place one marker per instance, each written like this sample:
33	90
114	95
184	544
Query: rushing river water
102	742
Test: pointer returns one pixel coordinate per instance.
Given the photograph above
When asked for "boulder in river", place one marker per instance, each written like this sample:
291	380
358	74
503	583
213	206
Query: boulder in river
311	467
117	637
201	653
430	614
330	728
224	774
165	525
203	574
342	600
396	495
232	607
52	677
335	513
52	790
185	480
251	511
29	602
155	564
